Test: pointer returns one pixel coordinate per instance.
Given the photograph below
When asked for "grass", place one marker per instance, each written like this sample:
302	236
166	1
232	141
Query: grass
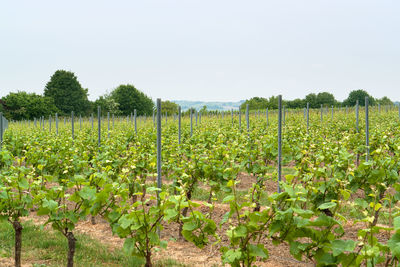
49	248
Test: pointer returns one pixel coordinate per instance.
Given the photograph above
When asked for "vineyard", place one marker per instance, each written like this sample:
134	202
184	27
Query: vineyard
331	200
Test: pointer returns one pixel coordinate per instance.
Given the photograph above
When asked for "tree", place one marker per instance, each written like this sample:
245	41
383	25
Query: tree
187	112
311	99
27	106
169	107
273	102
360	96
67	93
255	103
326	99
129	98
106	104
296	103
204	110
2	104
384	101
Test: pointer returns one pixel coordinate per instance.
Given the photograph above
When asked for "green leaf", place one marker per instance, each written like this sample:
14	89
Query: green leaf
113	216
87	193
327	205
170	213
23	183
340	246
42	211
394	244
153	237
230	183
240	231
189	226
289	178
396	223
3	195
361	202
50	204
324	259
296	249
323	220
230	256
228	198
345	194
125	221
258	251
74	197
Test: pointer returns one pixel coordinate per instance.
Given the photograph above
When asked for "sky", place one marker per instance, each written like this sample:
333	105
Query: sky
205	50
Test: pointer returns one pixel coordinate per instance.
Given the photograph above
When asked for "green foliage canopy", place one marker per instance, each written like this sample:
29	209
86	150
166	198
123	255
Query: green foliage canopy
67	93
326	99
360	96
169	107
255	103
27	106
384	101
129	98
316	100
106	104
296	103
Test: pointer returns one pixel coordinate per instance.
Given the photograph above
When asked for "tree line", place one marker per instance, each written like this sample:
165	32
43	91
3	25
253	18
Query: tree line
316	100
63	94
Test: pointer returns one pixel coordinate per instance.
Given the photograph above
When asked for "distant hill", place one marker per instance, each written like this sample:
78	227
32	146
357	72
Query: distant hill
185	105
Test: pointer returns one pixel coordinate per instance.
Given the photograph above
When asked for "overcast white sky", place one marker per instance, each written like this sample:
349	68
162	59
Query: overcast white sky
224	50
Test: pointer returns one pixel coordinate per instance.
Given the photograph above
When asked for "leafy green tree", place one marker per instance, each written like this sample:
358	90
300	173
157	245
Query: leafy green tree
169	107
129	98
187	112
26	106
107	104
67	93
255	103
273	102
326	99
312	100
360	96
296	103
204	110
384	101
2	105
